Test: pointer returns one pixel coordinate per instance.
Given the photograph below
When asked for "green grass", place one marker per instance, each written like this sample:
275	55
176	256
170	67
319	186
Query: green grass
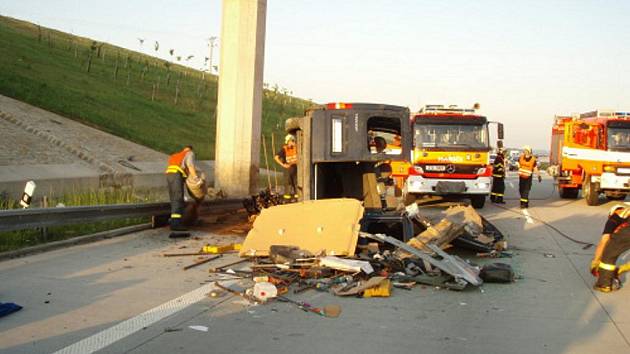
13	240
48	69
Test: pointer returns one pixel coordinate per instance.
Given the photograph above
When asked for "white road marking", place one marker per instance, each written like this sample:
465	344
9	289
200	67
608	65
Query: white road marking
528	217
113	334
511	184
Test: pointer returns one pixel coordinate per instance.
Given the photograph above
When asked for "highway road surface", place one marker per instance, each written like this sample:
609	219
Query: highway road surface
121	296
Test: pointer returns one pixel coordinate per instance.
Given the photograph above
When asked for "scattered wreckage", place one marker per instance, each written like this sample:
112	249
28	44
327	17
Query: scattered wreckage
332	245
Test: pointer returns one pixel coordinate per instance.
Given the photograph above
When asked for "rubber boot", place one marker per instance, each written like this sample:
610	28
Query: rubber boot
499	200
607	281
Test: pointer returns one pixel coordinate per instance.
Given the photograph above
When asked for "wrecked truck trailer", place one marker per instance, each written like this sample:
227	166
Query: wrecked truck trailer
352	150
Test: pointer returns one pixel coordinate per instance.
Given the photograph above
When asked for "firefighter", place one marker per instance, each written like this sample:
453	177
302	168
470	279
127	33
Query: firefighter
498	178
181	165
527	166
614	242
287	158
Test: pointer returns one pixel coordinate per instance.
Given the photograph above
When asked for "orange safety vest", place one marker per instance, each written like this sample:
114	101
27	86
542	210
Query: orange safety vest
290	154
175	163
526	168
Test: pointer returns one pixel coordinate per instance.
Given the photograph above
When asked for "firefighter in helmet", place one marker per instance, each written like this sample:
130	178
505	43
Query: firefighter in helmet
181	165
527	166
614	242
288	159
498	178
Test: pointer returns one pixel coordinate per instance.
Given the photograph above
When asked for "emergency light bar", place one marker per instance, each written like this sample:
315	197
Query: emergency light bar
441	109
604	114
339	105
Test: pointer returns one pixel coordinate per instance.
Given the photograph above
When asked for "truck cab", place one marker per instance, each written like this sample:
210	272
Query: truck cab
451	153
591	152
352	150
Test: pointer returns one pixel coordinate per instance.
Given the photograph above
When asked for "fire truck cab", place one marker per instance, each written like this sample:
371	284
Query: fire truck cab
451	153
591	152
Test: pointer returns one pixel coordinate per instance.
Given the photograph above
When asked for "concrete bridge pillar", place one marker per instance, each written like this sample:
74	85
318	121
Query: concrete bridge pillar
239	107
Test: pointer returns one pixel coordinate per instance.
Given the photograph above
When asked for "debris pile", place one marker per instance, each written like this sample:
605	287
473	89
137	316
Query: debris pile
327	246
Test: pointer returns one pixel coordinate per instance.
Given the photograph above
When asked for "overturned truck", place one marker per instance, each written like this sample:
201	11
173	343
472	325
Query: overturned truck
360	151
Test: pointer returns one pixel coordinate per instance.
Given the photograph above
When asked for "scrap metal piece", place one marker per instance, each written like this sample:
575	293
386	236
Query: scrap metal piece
452	265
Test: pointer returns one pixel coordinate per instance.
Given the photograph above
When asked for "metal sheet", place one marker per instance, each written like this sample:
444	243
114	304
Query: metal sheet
328	225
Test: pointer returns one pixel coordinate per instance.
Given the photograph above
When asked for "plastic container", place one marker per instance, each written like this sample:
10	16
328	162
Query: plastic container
264	291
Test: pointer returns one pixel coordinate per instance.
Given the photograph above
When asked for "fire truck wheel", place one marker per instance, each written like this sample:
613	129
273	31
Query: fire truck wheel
568	193
478	201
590	191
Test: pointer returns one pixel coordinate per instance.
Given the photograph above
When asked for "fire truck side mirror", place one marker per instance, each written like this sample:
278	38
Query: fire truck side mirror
500	131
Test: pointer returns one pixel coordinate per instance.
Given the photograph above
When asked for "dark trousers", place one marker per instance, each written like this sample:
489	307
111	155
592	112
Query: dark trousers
290	179
617	245
498	189
176	195
524	186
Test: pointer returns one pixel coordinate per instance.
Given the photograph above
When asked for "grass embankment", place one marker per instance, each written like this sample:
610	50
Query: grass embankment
153	102
24	238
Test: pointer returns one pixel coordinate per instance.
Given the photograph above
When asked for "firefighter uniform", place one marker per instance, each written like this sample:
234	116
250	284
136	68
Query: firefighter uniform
176	173
618	231
527	165
498	179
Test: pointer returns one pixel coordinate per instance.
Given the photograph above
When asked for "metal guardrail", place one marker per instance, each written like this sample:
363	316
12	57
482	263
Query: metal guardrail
21	219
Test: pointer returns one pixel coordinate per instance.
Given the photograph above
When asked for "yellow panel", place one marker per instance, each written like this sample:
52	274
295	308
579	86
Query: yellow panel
329	225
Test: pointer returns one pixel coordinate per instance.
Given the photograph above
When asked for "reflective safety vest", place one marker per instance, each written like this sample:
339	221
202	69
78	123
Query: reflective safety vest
526	168
498	167
175	163
290	154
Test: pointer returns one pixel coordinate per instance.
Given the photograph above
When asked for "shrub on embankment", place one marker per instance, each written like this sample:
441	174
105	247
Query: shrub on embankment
150	101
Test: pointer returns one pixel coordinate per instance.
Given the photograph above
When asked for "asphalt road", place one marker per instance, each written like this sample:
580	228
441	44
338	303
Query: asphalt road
121	296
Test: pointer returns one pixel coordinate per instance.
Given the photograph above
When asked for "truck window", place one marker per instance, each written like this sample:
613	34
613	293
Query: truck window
619	138
450	136
384	135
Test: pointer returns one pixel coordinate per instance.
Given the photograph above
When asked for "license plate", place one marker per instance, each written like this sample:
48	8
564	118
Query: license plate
625	171
435	168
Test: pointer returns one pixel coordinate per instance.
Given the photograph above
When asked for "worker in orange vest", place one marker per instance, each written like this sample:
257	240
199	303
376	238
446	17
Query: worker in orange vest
288	159
527	166
181	165
614	242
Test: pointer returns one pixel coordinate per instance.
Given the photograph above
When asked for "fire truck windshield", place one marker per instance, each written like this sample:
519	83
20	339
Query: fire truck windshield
451	136
619	139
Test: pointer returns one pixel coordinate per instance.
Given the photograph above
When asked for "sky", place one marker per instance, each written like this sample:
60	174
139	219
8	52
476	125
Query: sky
523	61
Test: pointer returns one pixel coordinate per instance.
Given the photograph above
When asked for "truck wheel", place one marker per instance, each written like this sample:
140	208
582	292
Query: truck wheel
478	201
568	193
590	191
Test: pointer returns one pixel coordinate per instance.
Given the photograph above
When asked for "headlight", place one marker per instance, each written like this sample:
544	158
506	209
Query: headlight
612	169
418	169
481	171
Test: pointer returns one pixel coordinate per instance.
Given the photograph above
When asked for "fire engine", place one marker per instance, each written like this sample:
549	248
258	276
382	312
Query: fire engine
591	152
451	153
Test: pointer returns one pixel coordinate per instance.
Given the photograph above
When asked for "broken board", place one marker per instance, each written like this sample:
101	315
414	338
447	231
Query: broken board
329	226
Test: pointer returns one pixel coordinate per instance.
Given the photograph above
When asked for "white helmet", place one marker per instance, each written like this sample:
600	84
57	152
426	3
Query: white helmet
288	138
626	209
527	148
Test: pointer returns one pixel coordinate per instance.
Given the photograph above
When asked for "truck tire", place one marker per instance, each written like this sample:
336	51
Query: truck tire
292	124
478	201
568	193
590	191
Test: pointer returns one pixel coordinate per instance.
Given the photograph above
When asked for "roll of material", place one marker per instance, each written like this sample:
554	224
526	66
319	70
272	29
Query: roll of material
197	187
